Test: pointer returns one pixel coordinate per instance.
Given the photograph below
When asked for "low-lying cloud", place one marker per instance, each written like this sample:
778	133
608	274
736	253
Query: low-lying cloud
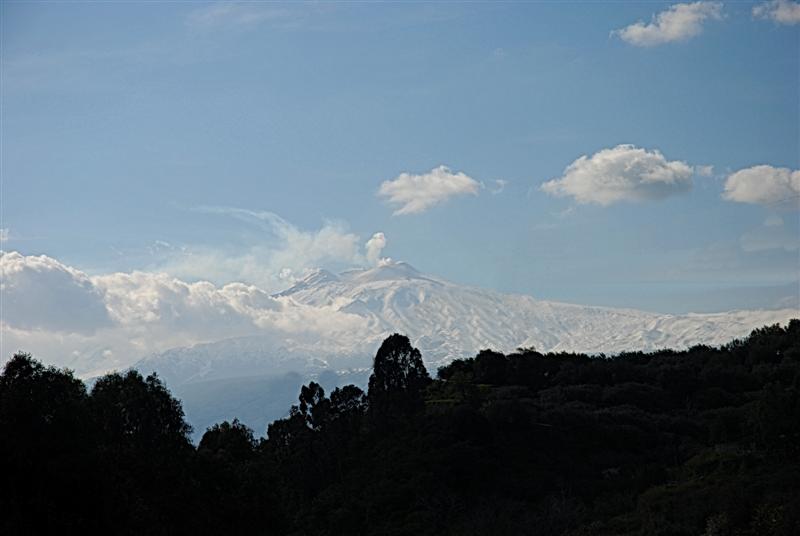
188	294
39	293
109	321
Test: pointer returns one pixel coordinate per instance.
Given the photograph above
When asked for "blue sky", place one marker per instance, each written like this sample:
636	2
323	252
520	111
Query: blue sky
238	141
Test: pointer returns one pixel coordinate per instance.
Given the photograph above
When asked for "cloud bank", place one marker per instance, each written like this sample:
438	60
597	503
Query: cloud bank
97	323
764	185
418	193
679	22
622	173
36	291
779	11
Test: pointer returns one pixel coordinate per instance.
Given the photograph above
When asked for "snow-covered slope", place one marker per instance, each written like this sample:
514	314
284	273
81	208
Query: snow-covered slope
445	321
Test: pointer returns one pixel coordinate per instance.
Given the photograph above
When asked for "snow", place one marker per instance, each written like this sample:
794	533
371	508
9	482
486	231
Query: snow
445	321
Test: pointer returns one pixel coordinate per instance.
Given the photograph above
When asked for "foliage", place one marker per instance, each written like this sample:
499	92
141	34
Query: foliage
702	441
398	379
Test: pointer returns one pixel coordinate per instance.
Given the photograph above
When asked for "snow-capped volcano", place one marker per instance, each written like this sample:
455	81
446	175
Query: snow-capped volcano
445	321
257	378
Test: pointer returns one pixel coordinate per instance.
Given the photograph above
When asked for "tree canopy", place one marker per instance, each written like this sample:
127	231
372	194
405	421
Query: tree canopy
398	378
701	441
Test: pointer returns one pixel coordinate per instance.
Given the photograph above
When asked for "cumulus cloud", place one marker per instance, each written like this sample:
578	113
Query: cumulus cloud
764	185
679	22
622	173
417	193
96	323
39	293
100	322
374	246
202	309
779	11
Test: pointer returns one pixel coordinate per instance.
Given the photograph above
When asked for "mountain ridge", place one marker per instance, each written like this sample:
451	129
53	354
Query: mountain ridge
445	321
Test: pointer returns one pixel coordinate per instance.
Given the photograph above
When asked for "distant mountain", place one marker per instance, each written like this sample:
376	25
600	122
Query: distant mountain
444	320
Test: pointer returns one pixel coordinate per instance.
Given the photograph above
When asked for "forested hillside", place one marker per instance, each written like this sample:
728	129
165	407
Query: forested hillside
704	441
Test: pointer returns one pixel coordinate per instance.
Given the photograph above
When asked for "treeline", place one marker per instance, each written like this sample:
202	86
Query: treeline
698	442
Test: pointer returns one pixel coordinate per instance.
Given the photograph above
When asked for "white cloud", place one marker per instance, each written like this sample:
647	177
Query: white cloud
109	321
764	185
97	323
39	293
679	22
234	14
418	193
5	234
374	246
282	254
780	11
622	173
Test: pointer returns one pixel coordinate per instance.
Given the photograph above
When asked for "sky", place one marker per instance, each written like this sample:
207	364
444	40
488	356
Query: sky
626	154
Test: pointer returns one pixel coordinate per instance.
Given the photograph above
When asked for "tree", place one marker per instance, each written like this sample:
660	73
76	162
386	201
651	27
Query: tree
144	449
398	378
347	401
229	441
38	402
490	367
139	412
46	442
314	406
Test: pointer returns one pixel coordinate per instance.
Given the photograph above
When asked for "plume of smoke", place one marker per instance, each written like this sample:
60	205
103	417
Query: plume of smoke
374	246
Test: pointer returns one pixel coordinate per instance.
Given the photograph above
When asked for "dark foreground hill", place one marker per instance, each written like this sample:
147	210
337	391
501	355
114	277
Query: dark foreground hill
698	442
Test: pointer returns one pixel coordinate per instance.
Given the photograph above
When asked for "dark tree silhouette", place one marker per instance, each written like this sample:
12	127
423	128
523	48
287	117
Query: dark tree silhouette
143	446
347	401
229	441
490	367
137	412
398	378
314	406
45	447
679	443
